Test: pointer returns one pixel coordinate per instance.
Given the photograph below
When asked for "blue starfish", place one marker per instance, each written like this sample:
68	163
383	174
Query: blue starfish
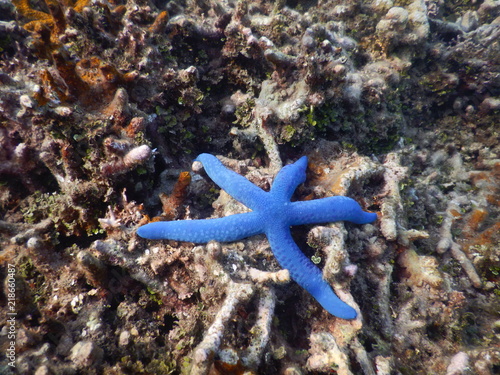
272	214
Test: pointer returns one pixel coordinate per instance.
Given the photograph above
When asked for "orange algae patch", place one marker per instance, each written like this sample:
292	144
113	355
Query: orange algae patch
136	125
67	69
94	71
489	181
24	7
91	81
172	202
475	236
160	23
477	177
331	178
336	182
145	219
488	237
55	19
477	217
223	368
102	79
493	199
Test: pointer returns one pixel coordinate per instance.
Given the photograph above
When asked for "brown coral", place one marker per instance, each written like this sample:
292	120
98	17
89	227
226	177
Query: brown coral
171	203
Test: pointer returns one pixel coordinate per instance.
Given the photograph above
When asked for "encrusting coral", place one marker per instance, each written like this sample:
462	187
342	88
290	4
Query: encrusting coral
104	105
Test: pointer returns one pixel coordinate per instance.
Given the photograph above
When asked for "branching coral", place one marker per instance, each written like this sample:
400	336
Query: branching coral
105	104
203	354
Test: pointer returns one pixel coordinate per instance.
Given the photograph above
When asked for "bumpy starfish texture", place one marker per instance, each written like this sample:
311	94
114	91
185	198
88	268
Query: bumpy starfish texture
272	214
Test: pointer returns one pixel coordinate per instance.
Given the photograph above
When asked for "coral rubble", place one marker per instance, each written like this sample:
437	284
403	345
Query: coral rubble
103	107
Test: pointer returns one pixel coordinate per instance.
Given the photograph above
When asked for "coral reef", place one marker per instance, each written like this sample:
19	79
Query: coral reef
105	104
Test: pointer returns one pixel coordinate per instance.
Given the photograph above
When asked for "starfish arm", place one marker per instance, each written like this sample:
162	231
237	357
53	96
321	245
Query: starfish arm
305	273
225	229
288	178
234	184
327	210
